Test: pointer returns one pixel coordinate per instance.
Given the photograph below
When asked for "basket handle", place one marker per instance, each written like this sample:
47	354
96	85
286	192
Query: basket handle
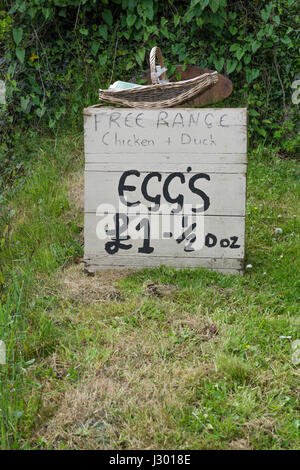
156	52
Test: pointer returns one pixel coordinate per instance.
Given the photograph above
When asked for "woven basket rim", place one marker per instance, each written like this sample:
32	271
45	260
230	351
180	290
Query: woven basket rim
161	85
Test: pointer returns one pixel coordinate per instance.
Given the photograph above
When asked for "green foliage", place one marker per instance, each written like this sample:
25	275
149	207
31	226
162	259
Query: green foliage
60	52
32	246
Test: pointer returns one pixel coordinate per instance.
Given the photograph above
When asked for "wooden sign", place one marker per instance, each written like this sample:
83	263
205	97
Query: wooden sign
165	187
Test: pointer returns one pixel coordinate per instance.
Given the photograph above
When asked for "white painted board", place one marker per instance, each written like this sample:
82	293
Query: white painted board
153	161
222	265
219	237
161	158
209	131
223	193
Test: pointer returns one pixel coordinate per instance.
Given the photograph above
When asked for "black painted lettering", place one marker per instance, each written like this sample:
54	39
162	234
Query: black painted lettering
161	120
98	120
104	139
116	244
210	240
206	200
192	120
166	193
155	199
221	120
136	140
212	142
233	244
146	248
113	118
224	243
122	187
178	120
207	120
138	119
185	138
127	120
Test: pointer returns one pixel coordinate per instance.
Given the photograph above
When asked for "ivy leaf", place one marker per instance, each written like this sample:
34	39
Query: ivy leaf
255	46
20	53
217	20
262	132
141	53
84	31
287	41
231	66
251	74
129	65
164	31
102	59
265	14
277	20
103	31
17	34
40	112
234	47
199	22
24	103
95	48
176	20
247	59
131	4
138	25
239	67
148	6
214	5
269	29
189	15
219	63
130	20
239	54
107	16
233	30
46	12
32	12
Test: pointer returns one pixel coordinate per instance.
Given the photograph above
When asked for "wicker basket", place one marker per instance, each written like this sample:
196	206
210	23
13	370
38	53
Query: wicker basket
159	95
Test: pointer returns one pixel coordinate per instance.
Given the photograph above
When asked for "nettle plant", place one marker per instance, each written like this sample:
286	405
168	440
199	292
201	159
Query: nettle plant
61	51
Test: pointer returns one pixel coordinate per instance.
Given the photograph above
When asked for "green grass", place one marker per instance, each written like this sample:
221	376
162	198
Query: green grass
104	362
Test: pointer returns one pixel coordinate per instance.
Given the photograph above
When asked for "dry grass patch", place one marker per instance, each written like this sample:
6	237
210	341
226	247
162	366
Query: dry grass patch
81	416
198	324
159	290
75	190
240	444
129	401
263	424
77	285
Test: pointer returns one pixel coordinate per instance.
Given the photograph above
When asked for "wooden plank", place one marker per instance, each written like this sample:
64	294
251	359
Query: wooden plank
234	116
181	130
225	266
223	192
168	167
167	158
223	237
89	268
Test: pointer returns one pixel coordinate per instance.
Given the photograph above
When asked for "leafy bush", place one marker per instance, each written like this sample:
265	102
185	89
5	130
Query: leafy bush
60	51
